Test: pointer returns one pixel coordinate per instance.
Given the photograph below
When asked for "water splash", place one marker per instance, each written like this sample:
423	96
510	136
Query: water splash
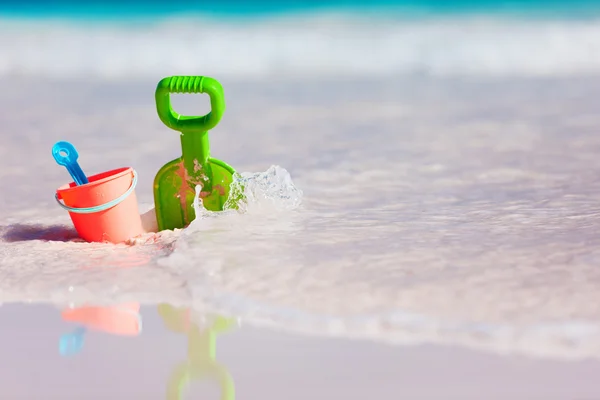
251	192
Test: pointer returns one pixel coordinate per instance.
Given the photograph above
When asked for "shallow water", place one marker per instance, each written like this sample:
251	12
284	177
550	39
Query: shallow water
458	211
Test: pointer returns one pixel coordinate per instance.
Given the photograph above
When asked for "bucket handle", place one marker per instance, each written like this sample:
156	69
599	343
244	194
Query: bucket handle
102	207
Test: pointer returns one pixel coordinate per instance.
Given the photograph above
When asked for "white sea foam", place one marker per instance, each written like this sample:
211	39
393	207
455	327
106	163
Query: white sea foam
308	46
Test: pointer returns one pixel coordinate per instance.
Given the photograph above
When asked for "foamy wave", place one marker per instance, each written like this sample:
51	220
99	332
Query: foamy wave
309	46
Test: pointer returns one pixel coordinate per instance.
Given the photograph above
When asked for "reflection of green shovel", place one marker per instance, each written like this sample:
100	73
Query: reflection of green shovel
201	361
175	182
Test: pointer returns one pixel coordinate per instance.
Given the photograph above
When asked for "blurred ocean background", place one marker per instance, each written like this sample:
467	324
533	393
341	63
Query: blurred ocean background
135	39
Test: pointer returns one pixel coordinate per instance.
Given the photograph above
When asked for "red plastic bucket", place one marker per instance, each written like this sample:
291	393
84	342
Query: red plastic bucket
105	209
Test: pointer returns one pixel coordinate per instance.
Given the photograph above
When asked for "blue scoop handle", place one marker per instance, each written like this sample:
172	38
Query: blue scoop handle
65	154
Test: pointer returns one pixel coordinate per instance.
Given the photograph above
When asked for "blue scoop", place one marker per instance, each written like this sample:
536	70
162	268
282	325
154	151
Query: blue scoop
65	154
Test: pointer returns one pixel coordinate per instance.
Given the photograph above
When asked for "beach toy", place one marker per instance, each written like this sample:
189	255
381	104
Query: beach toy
201	355
175	182
102	207
66	155
121	320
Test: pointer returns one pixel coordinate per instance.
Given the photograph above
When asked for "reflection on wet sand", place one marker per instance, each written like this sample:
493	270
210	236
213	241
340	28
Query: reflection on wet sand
123	320
201	354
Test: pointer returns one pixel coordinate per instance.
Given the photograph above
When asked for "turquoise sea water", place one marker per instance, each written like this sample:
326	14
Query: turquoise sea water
132	8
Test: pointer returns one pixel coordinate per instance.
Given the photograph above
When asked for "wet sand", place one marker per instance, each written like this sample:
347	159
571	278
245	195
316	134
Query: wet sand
266	364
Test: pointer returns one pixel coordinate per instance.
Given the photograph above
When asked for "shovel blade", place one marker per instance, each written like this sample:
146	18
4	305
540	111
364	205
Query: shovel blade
174	193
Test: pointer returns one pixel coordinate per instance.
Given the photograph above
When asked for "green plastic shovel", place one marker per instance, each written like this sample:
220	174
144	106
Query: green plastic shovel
175	182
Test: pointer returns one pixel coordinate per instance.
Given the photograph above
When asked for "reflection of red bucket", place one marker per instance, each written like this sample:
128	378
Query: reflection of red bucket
123	319
105	209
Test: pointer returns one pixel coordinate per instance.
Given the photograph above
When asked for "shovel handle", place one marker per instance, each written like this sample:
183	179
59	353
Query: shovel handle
189	84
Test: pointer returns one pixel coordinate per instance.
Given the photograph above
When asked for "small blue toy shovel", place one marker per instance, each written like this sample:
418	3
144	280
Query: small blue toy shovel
65	154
